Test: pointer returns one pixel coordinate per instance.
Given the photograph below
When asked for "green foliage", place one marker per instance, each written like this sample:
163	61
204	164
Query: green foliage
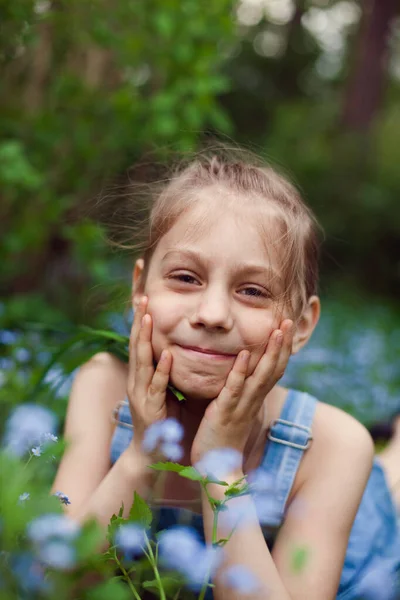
25	499
90	89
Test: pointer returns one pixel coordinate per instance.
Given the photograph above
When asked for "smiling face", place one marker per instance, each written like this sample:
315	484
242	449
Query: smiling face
212	285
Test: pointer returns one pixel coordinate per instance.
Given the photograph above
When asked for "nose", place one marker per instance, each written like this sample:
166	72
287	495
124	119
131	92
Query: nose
213	310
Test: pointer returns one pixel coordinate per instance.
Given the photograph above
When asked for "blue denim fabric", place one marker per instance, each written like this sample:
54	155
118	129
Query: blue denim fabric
375	535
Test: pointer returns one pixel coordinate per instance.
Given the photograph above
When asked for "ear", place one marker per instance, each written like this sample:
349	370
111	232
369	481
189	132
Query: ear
137	281
307	323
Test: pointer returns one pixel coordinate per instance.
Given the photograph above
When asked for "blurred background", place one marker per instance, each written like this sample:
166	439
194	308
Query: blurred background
90	87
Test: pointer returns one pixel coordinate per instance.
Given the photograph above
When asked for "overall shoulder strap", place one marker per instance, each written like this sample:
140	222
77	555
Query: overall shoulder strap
288	438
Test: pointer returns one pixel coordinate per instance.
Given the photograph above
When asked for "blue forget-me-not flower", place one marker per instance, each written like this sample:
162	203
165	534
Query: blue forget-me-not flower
220	462
62	497
166	435
241	579
26	427
51	525
130	539
181	549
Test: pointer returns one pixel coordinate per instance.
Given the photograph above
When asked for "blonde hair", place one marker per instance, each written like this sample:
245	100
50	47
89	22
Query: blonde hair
245	176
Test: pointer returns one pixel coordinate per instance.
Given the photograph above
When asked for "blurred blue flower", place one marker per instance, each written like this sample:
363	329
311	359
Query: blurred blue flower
50	526
264	496
239	513
8	337
22	355
172	451
62	497
29	573
181	549
23	497
58	555
241	579
25	427
37	451
130	539
260	481
48	437
220	462
6	364
168	433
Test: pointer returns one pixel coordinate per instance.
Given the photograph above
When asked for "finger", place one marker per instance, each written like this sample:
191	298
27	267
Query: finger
144	357
261	380
140	311
233	388
158	387
286	349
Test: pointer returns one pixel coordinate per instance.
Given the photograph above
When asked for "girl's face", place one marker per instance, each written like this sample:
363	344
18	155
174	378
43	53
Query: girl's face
215	293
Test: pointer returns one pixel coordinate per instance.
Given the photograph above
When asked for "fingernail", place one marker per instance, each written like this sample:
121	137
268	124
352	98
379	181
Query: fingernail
163	355
143	321
279	337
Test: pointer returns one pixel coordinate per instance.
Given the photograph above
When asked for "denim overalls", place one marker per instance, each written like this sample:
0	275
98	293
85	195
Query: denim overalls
375	536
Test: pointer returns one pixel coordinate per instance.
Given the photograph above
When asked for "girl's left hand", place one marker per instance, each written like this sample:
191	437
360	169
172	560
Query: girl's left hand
228	420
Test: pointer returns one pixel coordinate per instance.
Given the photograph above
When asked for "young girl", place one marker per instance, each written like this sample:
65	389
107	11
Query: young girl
224	293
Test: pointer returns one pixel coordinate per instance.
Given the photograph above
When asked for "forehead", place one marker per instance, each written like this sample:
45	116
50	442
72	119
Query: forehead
222	225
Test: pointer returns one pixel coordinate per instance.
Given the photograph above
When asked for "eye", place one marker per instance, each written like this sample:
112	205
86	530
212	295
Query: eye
255	292
184	277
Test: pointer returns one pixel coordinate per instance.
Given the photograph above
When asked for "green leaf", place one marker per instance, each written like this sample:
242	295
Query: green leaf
115	521
140	512
191	473
90	540
167	466
237	490
111	335
110	589
177	393
170	584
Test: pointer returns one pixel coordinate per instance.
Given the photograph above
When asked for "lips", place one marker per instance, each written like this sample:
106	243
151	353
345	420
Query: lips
207	351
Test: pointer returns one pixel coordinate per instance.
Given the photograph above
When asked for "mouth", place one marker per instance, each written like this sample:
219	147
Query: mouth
206	353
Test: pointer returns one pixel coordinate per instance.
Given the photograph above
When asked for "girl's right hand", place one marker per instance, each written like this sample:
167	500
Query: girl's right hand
147	387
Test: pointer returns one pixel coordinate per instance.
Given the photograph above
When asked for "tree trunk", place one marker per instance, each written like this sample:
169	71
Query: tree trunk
366	85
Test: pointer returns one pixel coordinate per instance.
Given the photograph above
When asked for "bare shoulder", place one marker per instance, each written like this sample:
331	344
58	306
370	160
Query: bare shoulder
98	386
339	442
336	430
103	368
105	363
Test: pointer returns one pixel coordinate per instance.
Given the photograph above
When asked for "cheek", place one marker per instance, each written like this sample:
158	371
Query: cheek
257	338
165	316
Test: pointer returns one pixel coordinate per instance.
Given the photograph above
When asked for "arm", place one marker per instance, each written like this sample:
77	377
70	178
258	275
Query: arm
336	475
94	487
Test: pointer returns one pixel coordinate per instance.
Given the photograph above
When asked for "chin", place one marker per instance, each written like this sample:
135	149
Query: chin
197	387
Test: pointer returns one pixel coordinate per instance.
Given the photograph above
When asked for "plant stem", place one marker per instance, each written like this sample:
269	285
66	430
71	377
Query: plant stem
126	577
204	586
28	461
155	569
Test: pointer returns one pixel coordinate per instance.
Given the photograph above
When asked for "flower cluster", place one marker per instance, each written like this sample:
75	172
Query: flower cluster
62	497
29	426
52	536
182	550
219	463
130	539
166	436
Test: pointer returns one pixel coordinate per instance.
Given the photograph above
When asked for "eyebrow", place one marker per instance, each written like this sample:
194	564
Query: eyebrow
240	267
